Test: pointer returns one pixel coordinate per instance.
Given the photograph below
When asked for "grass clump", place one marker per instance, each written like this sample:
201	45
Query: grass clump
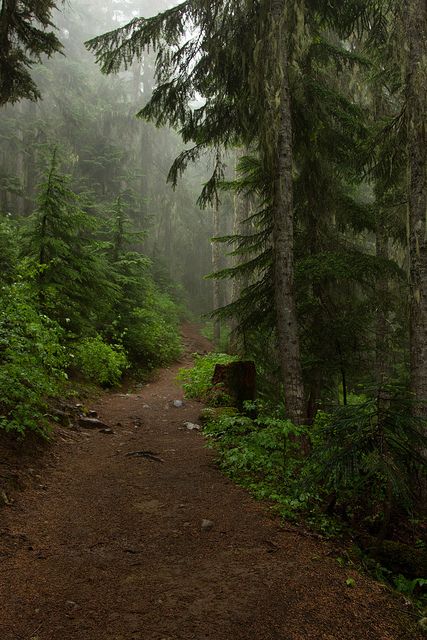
197	380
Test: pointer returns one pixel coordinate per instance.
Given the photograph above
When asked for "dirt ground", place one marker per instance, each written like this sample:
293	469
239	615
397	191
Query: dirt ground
104	546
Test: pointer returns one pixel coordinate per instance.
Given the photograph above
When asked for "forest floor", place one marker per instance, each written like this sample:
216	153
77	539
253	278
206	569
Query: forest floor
104	546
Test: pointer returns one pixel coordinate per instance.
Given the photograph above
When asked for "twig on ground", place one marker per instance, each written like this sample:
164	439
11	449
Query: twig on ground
146	454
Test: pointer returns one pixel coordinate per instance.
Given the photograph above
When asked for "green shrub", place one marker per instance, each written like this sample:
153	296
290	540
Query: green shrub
151	341
263	455
151	336
197	381
101	362
8	250
32	362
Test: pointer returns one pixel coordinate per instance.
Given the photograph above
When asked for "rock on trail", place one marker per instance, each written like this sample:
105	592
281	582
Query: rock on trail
109	546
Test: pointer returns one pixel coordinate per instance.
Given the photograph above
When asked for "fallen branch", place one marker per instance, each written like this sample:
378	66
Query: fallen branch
145	454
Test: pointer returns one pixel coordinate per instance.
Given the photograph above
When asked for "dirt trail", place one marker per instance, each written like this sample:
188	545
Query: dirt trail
110	547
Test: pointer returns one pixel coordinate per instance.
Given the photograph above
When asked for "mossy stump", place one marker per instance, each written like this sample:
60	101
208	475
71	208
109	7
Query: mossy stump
237	380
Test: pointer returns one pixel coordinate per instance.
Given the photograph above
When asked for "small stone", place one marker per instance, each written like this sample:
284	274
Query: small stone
178	404
192	427
4	499
71	604
109	431
206	525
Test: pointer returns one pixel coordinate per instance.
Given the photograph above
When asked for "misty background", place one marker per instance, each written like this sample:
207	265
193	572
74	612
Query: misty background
109	152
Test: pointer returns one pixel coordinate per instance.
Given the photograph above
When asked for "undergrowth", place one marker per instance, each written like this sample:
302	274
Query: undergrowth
357	469
197	380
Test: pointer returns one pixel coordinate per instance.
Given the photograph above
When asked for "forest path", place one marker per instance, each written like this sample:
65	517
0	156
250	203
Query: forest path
110	547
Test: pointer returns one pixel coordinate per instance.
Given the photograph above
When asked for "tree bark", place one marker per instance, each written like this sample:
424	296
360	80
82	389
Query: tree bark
283	236
241	227
416	29
383	360
216	266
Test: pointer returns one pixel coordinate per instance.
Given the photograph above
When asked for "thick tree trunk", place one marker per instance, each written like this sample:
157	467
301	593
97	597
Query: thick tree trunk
416	25
283	238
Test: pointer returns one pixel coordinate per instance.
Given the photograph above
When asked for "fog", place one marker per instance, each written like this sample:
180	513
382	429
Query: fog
91	119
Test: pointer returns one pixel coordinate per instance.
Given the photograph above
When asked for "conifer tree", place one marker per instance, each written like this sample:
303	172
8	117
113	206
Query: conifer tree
26	34
129	268
74	284
207	127
242	60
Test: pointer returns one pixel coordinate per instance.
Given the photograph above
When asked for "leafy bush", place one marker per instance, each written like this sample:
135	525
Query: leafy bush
262	455
8	250
197	381
151	341
152	336
101	362
32	362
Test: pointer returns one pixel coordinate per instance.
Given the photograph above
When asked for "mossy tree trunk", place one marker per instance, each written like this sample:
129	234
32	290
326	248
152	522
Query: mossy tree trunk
283	231
241	227
416	30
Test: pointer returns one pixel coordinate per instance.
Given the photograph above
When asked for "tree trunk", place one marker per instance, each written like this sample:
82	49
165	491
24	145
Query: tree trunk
383	360
20	163
416	29
241	227
283	238
216	266
382	331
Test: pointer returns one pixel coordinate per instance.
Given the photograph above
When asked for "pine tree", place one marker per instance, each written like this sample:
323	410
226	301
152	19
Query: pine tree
74	283
129	268
24	38
242	59
207	126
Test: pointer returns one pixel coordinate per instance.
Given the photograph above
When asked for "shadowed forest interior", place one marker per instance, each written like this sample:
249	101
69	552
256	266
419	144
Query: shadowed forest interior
254	168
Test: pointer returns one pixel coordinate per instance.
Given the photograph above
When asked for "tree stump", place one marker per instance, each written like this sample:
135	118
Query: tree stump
238	380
